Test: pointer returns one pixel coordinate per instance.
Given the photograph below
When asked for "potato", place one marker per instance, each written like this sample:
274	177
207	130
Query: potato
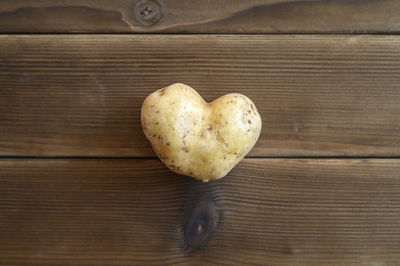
199	139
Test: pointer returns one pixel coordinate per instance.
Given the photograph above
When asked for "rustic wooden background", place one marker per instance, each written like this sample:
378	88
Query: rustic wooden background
80	185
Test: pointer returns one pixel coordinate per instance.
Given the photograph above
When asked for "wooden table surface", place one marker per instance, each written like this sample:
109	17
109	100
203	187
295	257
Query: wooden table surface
80	184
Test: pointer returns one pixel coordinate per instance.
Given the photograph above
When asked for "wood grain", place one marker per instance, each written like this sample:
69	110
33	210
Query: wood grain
275	211
80	95
224	16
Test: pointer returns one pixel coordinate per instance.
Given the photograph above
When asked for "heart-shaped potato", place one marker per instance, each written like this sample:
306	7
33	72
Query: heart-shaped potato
199	139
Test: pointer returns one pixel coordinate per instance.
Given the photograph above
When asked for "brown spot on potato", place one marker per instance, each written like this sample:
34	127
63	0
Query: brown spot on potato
210	127
249	122
162	92
185	149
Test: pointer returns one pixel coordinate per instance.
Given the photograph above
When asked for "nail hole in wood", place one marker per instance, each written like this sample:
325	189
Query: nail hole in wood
148	12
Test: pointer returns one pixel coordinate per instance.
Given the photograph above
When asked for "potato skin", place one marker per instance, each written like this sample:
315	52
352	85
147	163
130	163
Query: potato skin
199	139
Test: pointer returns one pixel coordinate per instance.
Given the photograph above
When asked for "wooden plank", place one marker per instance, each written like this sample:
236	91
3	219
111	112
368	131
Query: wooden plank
80	95
280	211
224	16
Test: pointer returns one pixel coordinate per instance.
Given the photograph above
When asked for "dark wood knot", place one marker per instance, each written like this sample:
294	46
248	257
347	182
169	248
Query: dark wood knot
200	224
148	12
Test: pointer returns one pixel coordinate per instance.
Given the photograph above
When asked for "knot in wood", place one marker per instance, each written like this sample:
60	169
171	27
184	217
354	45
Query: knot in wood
147	12
200	225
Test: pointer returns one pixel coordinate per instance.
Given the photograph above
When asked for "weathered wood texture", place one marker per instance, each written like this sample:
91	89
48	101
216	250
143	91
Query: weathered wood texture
80	95
209	16
304	211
